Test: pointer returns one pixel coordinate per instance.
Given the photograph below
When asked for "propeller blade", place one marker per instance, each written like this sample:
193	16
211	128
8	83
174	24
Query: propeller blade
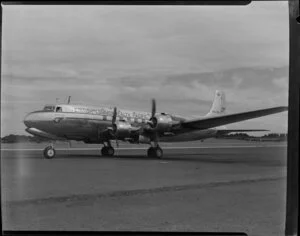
114	117
153	110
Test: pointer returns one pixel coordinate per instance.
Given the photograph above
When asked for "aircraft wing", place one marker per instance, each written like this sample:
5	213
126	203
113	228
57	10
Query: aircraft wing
226	131
214	121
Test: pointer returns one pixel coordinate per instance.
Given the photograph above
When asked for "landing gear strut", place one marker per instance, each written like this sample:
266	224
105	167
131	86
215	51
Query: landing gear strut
108	150
49	152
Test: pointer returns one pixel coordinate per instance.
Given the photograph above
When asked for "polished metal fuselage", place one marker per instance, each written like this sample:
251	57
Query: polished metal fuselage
84	123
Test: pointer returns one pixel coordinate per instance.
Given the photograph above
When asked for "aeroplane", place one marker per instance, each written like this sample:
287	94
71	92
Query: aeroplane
101	125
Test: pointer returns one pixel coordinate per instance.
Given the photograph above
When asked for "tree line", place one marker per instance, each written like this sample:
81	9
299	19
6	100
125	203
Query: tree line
270	135
14	138
245	136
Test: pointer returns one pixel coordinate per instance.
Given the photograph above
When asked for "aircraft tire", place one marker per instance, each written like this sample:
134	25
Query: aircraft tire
110	151
158	152
49	152
104	151
150	152
155	152
107	151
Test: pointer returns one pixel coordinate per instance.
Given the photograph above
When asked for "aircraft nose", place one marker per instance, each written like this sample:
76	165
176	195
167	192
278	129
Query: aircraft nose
28	120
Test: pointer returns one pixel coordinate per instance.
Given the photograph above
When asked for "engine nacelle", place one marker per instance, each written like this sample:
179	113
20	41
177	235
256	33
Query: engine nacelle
122	129
162	122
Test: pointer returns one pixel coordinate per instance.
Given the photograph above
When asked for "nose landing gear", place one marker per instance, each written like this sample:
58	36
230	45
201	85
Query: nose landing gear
49	152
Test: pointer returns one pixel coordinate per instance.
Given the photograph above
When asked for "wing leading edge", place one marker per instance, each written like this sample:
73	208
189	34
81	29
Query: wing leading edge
211	122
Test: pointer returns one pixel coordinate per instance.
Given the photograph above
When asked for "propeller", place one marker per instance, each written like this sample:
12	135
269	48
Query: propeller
152	122
114	117
153	110
114	131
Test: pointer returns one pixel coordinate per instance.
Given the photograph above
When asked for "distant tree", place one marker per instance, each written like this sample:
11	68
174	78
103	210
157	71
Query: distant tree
9	139
37	139
12	138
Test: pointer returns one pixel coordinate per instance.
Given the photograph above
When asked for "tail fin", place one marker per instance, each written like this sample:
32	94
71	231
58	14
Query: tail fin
218	106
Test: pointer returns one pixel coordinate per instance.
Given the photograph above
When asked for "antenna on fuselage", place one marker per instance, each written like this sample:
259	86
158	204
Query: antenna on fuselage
69	99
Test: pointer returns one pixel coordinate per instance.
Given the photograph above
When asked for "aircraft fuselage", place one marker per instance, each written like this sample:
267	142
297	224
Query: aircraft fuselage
83	123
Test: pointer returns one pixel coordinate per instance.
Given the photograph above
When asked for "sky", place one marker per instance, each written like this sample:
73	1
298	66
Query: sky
126	55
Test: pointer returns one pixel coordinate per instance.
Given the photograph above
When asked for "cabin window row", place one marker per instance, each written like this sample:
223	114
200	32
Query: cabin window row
132	120
139	117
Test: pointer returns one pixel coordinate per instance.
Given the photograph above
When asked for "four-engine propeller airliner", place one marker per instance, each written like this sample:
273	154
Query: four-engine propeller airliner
101	125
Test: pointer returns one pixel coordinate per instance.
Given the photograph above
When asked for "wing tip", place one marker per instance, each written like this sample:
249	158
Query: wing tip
283	108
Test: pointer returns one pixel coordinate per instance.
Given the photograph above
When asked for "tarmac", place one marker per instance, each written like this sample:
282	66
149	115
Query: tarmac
214	186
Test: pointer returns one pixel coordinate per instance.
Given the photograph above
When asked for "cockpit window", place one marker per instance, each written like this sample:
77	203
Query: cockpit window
58	109
49	108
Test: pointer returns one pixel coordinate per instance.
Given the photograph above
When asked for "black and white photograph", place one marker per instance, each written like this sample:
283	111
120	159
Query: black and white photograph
145	117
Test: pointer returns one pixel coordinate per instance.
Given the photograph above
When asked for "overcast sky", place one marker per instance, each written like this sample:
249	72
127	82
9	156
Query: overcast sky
126	55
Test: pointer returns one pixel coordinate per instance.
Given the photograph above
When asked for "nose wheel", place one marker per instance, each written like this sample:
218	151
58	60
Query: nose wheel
156	152
49	152
107	151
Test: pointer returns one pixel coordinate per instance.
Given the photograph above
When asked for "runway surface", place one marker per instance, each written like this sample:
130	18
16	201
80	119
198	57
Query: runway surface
212	186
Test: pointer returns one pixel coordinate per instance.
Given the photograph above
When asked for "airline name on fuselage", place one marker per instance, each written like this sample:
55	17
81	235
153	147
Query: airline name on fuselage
109	112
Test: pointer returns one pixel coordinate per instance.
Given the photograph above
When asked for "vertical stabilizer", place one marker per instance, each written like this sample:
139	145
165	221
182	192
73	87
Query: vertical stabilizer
218	107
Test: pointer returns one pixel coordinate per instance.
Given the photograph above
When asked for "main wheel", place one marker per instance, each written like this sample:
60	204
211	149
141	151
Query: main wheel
110	151
107	151
49	152
104	151
150	152
156	152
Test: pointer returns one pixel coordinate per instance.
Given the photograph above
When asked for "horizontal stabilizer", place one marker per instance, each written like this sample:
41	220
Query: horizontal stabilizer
215	121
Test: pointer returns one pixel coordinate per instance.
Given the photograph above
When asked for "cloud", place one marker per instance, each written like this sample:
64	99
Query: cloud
242	77
183	94
147	37
124	56
282	83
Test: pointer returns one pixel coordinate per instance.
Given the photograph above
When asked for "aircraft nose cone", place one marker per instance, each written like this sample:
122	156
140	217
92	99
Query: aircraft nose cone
28	120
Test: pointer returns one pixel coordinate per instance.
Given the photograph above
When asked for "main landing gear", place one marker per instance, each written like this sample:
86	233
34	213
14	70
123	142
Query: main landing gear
108	150
156	152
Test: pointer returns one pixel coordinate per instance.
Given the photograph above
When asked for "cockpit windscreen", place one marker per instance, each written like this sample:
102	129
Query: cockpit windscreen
49	108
